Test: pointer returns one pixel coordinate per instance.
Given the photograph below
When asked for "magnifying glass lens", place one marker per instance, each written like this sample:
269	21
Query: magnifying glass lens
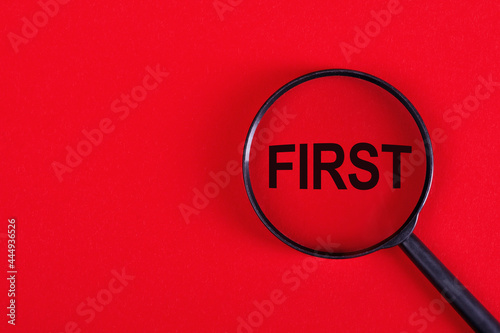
337	160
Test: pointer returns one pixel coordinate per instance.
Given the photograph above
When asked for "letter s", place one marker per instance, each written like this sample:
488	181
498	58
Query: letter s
88	312
364	165
115	108
287	279
455	121
420	322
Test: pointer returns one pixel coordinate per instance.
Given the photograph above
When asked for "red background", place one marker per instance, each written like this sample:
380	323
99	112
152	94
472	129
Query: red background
119	209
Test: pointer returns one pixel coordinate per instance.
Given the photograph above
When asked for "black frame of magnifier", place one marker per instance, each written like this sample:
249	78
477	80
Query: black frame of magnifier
406	229
473	312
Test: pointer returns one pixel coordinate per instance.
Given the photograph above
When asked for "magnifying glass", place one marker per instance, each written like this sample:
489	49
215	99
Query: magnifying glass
338	164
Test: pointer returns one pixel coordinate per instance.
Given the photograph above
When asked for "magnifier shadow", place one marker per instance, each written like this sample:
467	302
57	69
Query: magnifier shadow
430	296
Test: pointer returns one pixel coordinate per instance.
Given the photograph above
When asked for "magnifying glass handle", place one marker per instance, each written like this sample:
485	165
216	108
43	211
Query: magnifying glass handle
474	313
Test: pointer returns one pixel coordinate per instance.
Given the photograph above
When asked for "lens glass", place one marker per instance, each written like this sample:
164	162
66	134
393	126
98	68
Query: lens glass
340	159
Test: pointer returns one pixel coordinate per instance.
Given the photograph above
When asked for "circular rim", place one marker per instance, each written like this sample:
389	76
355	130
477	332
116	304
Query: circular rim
405	230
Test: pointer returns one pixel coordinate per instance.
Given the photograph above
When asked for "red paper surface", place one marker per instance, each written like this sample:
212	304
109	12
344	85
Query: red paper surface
121	240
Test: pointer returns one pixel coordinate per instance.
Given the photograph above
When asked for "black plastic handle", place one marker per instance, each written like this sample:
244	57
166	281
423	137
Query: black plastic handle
474	313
